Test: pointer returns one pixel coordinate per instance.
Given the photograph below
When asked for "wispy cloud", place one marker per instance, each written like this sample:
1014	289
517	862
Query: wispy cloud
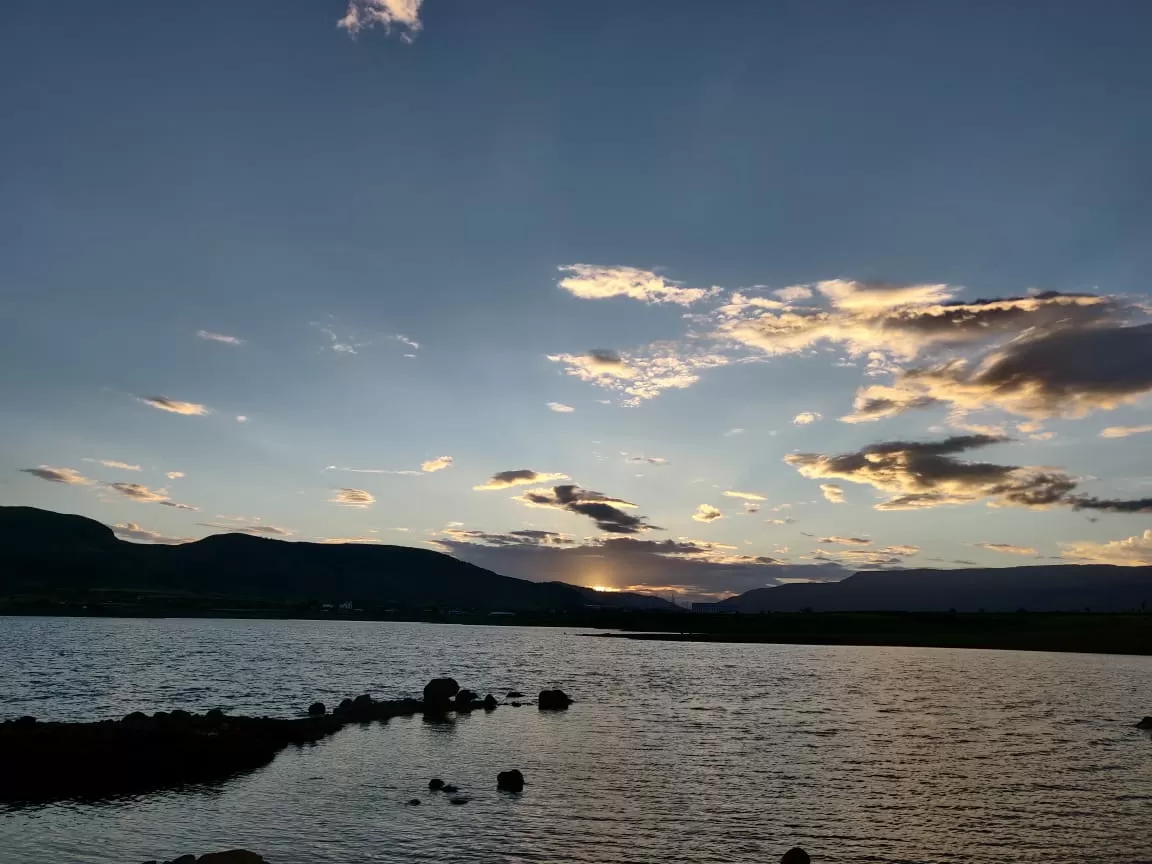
804	418
1124	431
132	531
437	464
174	406
1009	548
595	282
560	407
707	513
846	541
411	343
255	528
644	373
403	15
517	477
144	495
241	418
649	460
747	496
833	492
732	433
347	497
405	472
218	337
175	475
68	476
112	463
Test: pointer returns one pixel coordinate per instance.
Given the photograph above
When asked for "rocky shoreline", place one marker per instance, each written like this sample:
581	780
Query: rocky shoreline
140	753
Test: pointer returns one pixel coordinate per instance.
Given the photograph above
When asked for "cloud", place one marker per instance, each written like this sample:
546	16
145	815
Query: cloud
178	506
1008	548
833	492
69	476
794	293
132	531
139	492
846	541
592	282
517	477
732	433
175	475
352	497
411	343
174	406
921	475
1133	552
341	541
690	568
255	528
218	337
1124	431
437	464
404	15
644	373
1064	373
748	496
650	460
241	418
805	418
880	322
407	472
707	513
560	407
750	507
604	510
786	521
112	463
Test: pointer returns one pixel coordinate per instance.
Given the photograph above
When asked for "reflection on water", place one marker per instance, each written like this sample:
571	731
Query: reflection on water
674	752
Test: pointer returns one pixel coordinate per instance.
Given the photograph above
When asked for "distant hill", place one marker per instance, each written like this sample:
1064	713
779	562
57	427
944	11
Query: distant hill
1098	587
46	552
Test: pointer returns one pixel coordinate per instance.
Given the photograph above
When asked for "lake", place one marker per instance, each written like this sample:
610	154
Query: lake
674	752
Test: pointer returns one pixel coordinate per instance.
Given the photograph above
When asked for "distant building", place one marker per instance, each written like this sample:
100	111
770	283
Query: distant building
713	608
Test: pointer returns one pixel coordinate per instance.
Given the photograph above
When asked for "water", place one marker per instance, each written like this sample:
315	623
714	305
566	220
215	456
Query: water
674	752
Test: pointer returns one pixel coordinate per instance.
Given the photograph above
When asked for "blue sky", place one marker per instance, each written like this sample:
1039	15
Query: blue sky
413	234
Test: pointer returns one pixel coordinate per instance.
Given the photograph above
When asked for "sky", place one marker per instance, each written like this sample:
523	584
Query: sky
679	297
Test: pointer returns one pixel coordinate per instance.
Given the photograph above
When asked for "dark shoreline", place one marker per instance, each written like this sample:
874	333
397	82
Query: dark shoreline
1077	632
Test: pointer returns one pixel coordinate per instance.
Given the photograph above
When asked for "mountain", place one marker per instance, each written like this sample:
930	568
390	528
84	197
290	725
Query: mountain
1099	587
46	552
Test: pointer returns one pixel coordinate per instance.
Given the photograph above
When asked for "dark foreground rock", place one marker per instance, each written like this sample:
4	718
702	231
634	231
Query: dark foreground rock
510	781
439	693
796	855
1146	723
553	700
233	856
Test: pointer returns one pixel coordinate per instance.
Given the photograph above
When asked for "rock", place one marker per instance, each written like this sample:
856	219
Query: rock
457	799
317	709
796	855
234	856
1146	723
184	859
214	716
345	704
180	716
435	784
438	693
490	702
514	694
413	802
553	700
466	700
449	789
137	720
161	716
24	722
510	781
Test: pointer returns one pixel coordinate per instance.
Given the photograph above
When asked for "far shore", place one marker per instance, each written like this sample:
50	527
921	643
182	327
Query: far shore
1080	632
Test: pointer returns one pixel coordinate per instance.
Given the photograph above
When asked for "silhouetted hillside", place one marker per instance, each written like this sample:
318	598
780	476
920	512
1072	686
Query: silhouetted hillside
46	552
1098	587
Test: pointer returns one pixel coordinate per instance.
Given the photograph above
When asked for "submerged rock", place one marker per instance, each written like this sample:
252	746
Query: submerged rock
510	781
458	799
449	789
796	855
413	802
553	700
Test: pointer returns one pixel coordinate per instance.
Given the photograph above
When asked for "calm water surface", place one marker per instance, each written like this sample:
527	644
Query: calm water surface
674	752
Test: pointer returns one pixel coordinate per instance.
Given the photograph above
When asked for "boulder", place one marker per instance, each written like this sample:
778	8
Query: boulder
438	693
466	700
317	709
214	716
180	716
510	781
553	700
184	859
24	722
435	784
490	702
345	704
796	855
234	856
1146	723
